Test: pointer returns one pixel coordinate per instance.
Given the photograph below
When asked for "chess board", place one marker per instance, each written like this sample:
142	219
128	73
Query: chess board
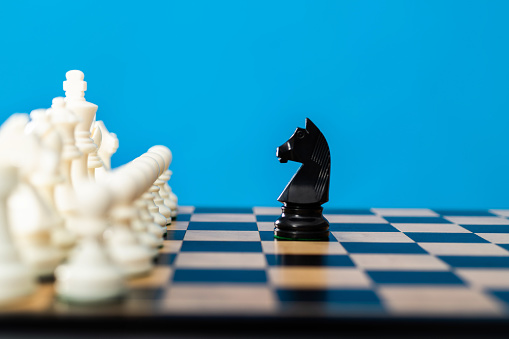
389	264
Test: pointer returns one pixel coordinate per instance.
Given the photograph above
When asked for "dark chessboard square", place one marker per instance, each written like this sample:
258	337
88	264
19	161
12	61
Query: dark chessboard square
145	293
348	211
175	235
221	246
222	226
417	220
502	295
267	218
445	237
504	246
309	260
219	276
382	247
465	213
487	228
183	217
415	277
223	210
350	296
476	261
358	227
266	235
165	259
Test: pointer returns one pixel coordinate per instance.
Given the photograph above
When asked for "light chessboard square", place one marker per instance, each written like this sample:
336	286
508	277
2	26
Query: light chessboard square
496	238
185	209
404	262
220	260
267	210
302	247
478	220
224	217
222	235
385	237
352	219
405	212
318	277
485	278
464	249
431	228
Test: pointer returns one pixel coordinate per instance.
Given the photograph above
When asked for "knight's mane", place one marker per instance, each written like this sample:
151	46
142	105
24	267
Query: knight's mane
321	156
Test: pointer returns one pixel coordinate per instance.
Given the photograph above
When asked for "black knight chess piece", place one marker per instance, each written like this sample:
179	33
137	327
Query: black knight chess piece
301	217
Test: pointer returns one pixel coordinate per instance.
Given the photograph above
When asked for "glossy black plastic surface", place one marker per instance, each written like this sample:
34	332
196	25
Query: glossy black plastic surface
301	217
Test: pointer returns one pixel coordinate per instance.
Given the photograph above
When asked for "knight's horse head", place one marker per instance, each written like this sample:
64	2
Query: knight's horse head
300	146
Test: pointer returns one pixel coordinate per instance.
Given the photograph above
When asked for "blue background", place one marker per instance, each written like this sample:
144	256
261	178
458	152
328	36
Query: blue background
412	96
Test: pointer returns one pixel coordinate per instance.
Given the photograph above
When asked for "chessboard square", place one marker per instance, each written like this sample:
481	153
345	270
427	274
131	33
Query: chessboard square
222	236
496	238
465	213
267	210
387	248
502	296
379	237
265	226
451	301
433	228
348	211
415	277
487	228
309	260
469	249
224	217
165	259
222	226
267	218
317	277
178	226
185	209
182	217
393	262
221	246
502	213
476	261
266	235
478	220
350	219
445	237
214	299
347	227
171	246
185	275
417	220
223	210
505	246
302	247
220	260
341	296
485	278
404	212
175	235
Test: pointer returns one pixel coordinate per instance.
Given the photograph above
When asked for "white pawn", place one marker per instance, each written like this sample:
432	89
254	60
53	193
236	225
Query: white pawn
90	276
126	251
75	88
148	196
169	198
156	187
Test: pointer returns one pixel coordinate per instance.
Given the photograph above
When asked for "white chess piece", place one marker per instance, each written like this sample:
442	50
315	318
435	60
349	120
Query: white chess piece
133	257
16	279
109	145
90	276
94	161
169	198
65	121
75	88
148	196
156	187
31	217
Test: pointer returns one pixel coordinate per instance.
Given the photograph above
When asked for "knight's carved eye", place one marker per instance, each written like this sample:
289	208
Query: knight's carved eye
300	134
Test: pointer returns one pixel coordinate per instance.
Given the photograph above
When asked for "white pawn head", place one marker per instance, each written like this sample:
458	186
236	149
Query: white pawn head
75	86
164	152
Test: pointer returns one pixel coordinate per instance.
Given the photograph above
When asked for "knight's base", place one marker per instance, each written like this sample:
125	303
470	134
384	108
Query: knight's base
301	222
